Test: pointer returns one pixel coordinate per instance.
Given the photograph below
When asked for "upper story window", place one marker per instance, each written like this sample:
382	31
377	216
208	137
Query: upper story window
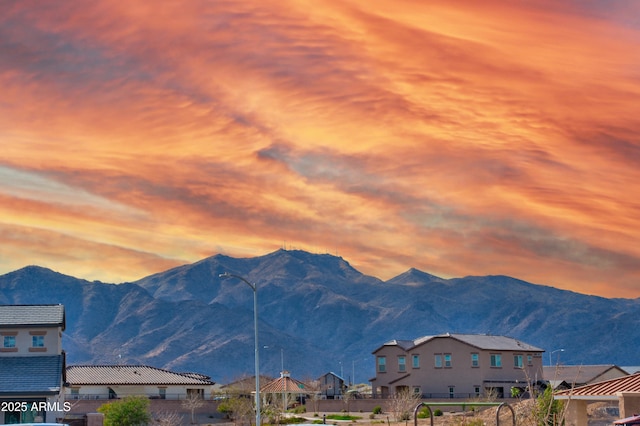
517	361
382	364
415	361
496	360
475	360
447	360
402	363
529	360
438	360
37	341
9	341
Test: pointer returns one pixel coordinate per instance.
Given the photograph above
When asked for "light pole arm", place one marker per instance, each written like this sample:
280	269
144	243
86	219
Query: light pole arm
228	275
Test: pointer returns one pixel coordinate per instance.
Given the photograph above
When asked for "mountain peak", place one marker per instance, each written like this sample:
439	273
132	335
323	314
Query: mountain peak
415	277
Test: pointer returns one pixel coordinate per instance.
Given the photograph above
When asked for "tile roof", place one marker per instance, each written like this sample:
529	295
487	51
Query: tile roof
35	375
32	315
283	384
480	341
130	375
606	388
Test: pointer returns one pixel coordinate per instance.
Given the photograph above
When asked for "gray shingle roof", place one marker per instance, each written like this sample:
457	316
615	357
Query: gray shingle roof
480	341
501	343
32	315
31	374
79	375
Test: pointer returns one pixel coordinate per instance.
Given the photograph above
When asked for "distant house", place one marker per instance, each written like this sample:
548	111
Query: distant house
31	363
331	386
116	381
456	366
568	376
242	388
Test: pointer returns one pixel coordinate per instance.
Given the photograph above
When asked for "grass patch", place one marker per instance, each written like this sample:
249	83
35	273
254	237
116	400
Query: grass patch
342	417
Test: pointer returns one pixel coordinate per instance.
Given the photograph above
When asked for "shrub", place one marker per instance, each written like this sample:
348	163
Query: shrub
424	413
437	412
129	411
377	409
299	409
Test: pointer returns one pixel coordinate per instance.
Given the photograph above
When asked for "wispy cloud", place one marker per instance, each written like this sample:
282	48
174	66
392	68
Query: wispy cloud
460	138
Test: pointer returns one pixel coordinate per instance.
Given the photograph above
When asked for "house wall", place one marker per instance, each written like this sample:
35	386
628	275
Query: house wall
612	373
52	337
460	375
172	392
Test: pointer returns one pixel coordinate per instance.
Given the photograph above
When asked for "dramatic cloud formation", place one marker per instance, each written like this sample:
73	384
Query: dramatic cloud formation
460	138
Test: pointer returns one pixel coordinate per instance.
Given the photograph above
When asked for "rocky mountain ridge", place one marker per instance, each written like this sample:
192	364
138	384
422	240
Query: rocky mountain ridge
317	314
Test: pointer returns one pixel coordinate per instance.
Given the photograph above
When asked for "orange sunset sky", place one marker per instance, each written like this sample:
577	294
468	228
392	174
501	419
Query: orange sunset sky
458	137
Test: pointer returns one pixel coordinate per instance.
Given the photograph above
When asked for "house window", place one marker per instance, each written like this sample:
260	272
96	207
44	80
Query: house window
402	363
451	392
529	360
382	364
447	360
496	360
75	393
438	360
37	341
162	393
517	361
417	390
415	360
476	389
9	341
475	360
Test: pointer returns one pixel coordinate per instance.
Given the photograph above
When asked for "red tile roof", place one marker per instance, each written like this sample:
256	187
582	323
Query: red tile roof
283	384
607	388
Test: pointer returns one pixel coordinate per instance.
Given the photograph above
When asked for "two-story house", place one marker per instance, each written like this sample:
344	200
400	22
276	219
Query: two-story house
32	363
456	366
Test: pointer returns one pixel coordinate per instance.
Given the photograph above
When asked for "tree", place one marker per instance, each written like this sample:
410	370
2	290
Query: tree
129	411
192	402
238	409
549	411
402	404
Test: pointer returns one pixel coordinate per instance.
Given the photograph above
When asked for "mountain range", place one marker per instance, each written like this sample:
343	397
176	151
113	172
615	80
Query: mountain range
316	314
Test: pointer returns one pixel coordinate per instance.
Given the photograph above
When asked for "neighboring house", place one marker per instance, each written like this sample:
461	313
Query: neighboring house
625	390
568	376
31	363
242	388
456	366
331	386
117	381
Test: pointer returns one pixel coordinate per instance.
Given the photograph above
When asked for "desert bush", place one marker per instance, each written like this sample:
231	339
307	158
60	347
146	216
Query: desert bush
129	411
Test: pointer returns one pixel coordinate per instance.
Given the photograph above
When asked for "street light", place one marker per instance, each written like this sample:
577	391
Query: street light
255	326
553	352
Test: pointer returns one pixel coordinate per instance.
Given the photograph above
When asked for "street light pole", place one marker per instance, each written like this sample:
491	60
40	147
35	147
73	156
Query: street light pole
255	328
551	353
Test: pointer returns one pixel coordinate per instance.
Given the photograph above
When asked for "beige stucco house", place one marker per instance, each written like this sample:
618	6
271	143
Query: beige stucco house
117	381
31	363
456	366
